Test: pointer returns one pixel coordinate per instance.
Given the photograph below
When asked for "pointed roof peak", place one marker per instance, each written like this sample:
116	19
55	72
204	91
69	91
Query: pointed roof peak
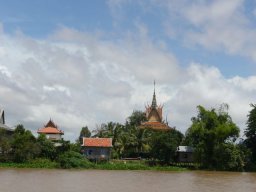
2	118
154	104
51	124
50	128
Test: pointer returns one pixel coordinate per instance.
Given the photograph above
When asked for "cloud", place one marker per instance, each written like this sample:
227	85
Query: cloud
77	78
214	25
206	86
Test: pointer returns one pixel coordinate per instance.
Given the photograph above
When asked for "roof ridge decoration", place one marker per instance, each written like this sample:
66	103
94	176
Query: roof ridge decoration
51	124
2	118
154	103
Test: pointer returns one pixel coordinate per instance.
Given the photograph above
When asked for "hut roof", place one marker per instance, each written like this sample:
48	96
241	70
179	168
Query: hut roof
97	142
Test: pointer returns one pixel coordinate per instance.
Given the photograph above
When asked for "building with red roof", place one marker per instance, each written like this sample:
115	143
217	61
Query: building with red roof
97	148
154	116
51	131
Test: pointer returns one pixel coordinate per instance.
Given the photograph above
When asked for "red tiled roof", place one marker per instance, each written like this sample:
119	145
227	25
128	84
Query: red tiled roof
97	142
50	128
155	125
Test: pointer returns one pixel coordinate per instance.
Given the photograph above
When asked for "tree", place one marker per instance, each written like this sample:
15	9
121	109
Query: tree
48	150
229	157
250	133
136	118
85	132
138	141
116	132
5	145
24	145
209	131
164	144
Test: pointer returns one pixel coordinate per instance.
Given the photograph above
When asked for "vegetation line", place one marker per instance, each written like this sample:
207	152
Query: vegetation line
212	134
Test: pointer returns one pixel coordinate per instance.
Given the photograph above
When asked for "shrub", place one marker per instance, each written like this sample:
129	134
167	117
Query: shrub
72	159
41	163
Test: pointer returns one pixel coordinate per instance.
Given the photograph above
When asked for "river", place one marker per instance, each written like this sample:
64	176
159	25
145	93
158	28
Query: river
41	180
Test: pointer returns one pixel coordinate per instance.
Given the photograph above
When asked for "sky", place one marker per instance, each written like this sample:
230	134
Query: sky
91	62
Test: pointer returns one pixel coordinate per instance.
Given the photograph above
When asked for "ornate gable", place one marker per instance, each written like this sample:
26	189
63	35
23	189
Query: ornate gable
2	119
154	116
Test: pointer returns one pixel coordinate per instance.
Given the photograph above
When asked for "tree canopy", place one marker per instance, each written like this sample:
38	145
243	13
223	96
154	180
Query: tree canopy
250	133
213	134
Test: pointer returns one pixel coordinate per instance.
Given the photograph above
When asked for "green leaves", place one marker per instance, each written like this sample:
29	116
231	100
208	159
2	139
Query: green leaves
210	132
250	133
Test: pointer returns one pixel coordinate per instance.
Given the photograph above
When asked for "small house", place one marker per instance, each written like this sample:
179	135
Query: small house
51	131
97	148
185	154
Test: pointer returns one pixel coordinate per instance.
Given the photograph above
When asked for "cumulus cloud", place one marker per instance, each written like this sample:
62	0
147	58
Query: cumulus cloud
80	79
206	86
220	25
76	78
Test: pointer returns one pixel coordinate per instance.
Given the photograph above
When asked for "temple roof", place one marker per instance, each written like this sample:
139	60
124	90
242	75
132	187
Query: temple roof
154	104
97	142
155	125
154	116
50	128
2	121
2	118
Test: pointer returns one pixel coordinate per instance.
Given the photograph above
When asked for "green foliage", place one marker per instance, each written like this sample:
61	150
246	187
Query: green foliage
62	146
85	132
48	150
122	165
250	134
115	131
36	163
24	145
229	156
72	159
164	145
41	163
210	131
130	141
5	145
75	147
136	118
135	165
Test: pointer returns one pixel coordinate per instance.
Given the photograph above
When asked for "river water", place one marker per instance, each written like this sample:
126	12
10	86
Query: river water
37	180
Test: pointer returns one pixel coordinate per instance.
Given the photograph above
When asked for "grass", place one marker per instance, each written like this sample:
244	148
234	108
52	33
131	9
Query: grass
112	165
37	163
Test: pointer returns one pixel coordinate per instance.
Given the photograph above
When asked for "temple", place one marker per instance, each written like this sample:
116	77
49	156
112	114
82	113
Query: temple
51	131
154	116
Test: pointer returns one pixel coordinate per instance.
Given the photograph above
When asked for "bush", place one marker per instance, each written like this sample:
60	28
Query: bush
41	163
72	159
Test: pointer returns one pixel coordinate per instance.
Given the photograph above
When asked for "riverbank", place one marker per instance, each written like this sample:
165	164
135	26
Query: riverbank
112	165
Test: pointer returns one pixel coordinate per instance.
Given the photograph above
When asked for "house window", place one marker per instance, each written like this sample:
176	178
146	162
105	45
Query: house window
89	152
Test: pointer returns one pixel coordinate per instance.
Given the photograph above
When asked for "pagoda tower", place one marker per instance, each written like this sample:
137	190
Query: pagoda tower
154	115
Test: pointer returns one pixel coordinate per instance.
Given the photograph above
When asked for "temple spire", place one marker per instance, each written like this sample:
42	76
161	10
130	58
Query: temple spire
154	104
